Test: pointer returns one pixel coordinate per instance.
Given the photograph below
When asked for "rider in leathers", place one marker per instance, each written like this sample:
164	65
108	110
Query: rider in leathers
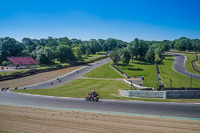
93	94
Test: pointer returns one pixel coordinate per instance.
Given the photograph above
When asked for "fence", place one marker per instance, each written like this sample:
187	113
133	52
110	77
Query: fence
184	94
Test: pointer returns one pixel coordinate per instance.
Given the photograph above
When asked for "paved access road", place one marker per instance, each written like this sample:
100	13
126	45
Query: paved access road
179	65
136	107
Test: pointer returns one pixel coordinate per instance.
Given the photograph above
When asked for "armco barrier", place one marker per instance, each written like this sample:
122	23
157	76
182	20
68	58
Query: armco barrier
145	94
191	94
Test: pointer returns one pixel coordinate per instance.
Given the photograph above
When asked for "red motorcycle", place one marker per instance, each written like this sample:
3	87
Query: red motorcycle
94	98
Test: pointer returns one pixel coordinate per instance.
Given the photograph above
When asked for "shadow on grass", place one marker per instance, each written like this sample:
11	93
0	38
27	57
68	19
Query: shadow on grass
101	54
143	63
169	59
135	69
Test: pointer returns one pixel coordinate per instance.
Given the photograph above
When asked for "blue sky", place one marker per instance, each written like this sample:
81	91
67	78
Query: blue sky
93	19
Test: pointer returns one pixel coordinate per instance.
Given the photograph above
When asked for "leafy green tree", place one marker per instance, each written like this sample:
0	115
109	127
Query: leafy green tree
124	56
78	53
45	56
132	51
150	56
196	45
159	52
143	48
64	53
9	47
25	53
101	42
115	56
183	44
50	42
111	44
64	41
4	63
75	42
121	44
29	44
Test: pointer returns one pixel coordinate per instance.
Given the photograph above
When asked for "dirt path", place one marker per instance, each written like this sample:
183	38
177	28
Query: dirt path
37	78
32	120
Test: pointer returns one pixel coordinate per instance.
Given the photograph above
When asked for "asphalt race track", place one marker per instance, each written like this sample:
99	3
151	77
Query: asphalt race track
185	110
179	65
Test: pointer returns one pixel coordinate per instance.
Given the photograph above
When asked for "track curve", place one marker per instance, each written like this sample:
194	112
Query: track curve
137	107
179	65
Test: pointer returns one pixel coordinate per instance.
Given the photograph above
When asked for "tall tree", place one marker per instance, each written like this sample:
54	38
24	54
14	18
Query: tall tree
115	56
125	56
10	47
150	56
64	53
78	53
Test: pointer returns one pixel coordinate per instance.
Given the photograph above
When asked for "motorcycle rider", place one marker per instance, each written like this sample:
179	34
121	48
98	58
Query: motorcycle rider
93	94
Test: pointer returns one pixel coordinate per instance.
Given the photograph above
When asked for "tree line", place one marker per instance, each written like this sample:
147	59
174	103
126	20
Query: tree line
152	51
46	51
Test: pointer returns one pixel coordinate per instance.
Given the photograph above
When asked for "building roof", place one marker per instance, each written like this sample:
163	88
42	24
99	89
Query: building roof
23	61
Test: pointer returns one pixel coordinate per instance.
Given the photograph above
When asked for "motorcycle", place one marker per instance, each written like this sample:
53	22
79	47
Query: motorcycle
94	98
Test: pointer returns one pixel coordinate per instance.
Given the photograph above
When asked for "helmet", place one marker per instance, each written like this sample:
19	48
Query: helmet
93	91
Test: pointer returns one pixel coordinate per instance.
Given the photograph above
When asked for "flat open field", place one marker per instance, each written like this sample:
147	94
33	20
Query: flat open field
37	78
31	120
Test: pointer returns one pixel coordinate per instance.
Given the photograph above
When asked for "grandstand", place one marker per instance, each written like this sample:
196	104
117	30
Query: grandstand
22	61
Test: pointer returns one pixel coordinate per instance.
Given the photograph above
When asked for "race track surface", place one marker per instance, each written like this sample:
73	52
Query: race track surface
179	65
136	107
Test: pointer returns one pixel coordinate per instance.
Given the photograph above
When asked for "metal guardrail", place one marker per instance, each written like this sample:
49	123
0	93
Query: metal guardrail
144	94
184	94
191	94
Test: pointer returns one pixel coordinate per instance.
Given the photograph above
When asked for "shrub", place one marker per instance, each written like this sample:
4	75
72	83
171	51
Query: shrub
4	63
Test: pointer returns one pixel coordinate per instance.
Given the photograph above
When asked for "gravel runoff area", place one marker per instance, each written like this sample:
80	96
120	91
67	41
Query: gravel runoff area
31	120
37	78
